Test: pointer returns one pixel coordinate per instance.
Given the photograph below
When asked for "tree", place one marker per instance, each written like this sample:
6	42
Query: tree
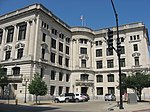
3	79
137	81
37	87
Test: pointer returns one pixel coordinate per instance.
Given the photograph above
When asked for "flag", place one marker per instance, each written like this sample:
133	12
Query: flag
81	17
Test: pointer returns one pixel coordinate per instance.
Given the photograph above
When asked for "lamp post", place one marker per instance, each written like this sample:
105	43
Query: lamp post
26	81
118	54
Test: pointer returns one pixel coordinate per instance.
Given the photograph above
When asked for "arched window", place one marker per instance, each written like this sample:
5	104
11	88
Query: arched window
110	77
84	77
16	71
99	78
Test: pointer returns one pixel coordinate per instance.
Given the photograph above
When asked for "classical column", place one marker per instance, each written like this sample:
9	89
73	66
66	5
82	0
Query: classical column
27	37
90	53
3	43
32	37
77	53
15	37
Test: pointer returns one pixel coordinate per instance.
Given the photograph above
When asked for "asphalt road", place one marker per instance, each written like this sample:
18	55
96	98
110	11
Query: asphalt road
91	106
57	107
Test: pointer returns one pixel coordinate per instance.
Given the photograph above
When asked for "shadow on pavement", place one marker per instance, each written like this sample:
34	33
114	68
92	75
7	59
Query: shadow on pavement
23	108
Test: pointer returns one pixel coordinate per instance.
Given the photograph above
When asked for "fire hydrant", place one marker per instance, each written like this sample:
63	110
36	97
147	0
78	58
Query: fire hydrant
16	101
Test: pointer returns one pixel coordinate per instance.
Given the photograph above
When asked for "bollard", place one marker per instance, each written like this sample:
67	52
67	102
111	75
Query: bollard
16	101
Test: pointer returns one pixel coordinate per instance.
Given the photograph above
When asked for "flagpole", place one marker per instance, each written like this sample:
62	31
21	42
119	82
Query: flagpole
82	21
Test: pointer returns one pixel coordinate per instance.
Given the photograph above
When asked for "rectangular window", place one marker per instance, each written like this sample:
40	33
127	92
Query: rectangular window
83	63
67	89
22	32
7	56
84	77
20	53
60	46
60	90
110	77
122	62
134	37
122	51
10	34
99	64
111	90
60	60
98	43
98	52
43	53
99	78
138	37
1	36
67	77
135	47
110	63
83	41
52	90
109	52
52	57
83	50
131	38
99	90
16	70
61	36
67	62
121	39
136	59
44	37
67	50
54	31
53	73
42	72
60	76
53	43
67	40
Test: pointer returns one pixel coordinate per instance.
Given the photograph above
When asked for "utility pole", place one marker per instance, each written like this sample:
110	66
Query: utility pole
118	54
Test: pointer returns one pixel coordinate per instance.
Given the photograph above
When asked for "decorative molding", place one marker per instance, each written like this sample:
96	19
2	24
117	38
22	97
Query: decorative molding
7	48
44	45
83	56
19	45
136	54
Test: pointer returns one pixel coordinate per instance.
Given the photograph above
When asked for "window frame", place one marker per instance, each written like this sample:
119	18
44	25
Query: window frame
22	32
110	63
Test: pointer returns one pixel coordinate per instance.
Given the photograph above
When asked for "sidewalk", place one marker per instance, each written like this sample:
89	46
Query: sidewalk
30	103
138	107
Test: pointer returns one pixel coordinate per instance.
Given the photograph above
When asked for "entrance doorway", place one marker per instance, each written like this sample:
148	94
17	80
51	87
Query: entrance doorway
84	89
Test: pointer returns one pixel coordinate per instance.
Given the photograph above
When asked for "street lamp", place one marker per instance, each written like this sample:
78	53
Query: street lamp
118	54
25	84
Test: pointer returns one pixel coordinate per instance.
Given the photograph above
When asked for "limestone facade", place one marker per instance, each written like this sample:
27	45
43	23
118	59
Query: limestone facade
69	59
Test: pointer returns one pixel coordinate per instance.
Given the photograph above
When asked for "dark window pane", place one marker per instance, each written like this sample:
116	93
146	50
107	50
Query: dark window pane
10	34
7	56
20	53
22	32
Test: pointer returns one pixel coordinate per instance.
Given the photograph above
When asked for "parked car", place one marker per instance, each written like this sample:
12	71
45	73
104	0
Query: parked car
66	97
79	97
86	96
110	97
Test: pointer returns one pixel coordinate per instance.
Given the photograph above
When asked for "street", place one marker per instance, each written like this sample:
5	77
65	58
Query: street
91	106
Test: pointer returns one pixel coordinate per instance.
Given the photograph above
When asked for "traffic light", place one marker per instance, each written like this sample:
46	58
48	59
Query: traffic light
118	45
110	39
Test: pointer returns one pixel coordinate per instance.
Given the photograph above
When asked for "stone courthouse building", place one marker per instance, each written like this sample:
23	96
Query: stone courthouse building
69	59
